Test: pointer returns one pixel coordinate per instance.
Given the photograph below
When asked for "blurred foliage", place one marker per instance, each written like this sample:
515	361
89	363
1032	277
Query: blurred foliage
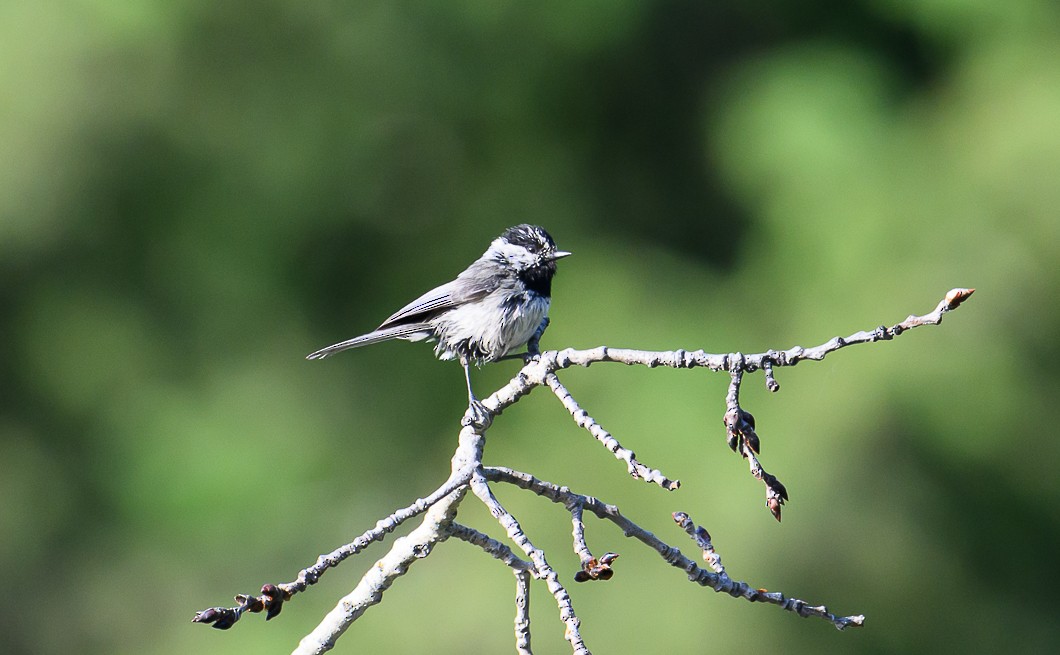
193	195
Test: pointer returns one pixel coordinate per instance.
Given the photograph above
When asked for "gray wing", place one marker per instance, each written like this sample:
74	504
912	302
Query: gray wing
413	320
473	284
431	302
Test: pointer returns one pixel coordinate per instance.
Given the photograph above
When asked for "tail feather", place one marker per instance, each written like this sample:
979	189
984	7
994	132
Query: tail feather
396	332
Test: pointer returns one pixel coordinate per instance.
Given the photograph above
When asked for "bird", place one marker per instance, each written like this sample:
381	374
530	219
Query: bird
496	305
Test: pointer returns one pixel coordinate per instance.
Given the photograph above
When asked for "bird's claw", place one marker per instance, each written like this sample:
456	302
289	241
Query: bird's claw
477	416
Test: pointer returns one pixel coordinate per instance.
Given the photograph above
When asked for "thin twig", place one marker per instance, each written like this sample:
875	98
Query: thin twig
700	535
274	595
407	550
581	549
522	569
491	546
522	612
537	556
720	582
439	508
582	418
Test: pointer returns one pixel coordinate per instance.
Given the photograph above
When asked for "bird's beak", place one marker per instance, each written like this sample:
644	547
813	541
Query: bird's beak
559	254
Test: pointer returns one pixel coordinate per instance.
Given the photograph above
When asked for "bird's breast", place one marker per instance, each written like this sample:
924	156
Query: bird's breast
491	327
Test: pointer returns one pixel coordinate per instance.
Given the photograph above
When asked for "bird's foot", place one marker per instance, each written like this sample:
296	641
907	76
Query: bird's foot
477	416
526	358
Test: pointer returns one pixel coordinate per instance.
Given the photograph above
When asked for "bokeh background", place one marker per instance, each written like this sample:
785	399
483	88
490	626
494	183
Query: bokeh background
194	195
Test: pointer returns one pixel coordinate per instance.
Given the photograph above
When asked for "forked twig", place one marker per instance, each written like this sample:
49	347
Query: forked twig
439	509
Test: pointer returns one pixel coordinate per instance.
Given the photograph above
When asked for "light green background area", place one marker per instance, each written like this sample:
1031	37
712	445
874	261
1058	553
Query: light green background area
194	195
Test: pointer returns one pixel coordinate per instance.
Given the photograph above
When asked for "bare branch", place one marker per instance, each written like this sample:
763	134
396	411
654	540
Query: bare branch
582	418
522	570
273	596
722	583
467	473
742	438
522	612
592	568
493	548
718	581
537	556
721	362
702	539
369	591
581	549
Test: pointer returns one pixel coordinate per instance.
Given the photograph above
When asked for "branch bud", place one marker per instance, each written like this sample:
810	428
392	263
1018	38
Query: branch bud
774	508
597	569
274	598
956	296
221	618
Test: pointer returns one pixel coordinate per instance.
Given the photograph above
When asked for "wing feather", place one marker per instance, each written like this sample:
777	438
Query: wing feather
431	302
471	285
396	332
413	321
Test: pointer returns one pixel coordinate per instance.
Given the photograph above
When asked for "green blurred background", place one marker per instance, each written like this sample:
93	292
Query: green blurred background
194	195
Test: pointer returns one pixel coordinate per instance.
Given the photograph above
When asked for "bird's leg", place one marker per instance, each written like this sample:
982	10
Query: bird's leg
477	415
533	349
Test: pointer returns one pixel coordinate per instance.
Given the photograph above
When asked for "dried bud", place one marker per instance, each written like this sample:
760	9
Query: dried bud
219	617
775	486
733	441
226	621
207	616
250	603
273	591
956	296
597	569
274	600
774	508
748	417
752	441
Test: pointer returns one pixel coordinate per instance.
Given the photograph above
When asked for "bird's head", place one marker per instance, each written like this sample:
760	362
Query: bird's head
531	253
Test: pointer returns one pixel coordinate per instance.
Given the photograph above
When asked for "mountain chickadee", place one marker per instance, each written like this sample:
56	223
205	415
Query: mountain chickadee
496	305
